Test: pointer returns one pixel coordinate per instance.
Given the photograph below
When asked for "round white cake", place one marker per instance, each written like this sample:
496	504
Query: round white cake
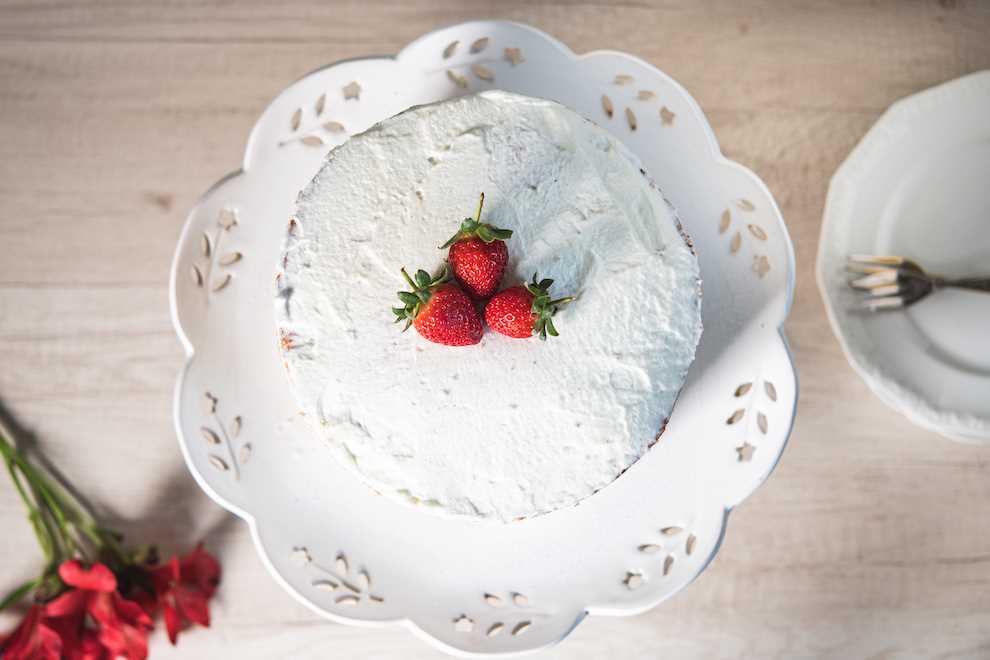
507	428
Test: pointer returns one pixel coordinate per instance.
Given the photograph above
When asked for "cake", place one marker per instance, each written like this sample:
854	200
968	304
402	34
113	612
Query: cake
507	428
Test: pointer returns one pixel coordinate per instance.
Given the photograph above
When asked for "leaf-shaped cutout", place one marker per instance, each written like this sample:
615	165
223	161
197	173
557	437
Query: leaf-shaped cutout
483	72
206	245
521	627
735	243
761	264
341	564
325	585
689	545
218	463
235	426
671	531
514	56
376	599
312	141
230	258
222	283
743	389
347	599
668	563
209	403
244	454
321	104
209	435
745	205
607	106
761	422
631	119
666	116
457	79
364	581
479	45
645	95
650	548
334	127
757	231
623	79
495	628
724	221
296	119
736	416
770	390
301	556
520	600
450	49
196	274
493	600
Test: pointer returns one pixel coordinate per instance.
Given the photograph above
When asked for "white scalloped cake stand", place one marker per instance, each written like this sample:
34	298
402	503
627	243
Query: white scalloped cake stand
472	588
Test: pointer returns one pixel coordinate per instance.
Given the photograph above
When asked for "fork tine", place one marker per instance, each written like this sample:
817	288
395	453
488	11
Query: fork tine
882	277
876	259
877	303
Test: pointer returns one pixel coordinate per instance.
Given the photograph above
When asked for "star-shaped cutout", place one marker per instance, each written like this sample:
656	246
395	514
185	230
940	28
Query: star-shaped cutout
514	56
351	90
666	116
463	624
745	452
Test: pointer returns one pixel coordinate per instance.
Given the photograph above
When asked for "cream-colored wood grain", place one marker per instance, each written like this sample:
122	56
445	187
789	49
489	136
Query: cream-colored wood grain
869	541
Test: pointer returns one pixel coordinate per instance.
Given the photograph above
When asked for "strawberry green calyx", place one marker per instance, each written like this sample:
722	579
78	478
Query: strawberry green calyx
475	228
544	307
422	285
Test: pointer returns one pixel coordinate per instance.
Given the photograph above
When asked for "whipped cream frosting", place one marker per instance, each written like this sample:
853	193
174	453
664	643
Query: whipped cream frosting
507	428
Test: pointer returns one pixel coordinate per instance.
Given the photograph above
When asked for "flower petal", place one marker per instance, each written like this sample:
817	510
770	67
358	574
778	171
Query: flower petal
193	605
32	640
202	569
173	623
69	603
97	578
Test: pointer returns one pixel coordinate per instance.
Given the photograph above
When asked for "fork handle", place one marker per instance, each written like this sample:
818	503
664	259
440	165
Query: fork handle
970	283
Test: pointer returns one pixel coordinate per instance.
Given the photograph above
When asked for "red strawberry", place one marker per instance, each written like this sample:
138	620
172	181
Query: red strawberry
524	311
441	312
478	255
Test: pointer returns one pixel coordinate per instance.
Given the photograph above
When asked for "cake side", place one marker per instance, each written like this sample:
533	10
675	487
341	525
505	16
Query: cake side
503	429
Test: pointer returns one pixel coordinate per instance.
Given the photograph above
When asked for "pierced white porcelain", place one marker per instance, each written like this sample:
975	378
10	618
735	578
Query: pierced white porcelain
472	588
916	186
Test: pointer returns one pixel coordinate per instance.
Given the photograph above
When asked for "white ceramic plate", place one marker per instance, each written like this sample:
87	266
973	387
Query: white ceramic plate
918	185
480	588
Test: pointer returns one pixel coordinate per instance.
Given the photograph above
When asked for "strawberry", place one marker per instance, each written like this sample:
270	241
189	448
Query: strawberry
441	312
478	255
524	311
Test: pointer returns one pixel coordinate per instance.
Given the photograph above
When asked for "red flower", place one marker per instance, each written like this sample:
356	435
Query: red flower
33	639
183	588
121	625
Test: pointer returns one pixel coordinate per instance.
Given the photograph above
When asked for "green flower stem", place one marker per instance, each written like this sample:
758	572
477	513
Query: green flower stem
18	593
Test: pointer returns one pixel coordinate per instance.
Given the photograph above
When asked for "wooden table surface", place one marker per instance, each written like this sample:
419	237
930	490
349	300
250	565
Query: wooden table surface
871	539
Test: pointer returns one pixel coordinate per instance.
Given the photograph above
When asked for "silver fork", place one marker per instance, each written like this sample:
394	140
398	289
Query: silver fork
895	282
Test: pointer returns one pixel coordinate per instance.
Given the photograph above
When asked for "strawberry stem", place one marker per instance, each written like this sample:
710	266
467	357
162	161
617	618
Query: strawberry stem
544	308
475	228
422	288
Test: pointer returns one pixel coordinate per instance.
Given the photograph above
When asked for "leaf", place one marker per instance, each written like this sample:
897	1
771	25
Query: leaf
483	72
745	204
623	79
607	106
761	422
206	245
341	564
296	119
671	531
244	455
457	79
631	119
667	564
725	221
321	103
222	284
218	463
450	49
325	585
209	435
650	548
230	258
312	141
493	600
235	426
735	243
334	127
495	629
743	389
770	390
479	45
736	416
757	231
689	545
645	95
521	627
197	275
